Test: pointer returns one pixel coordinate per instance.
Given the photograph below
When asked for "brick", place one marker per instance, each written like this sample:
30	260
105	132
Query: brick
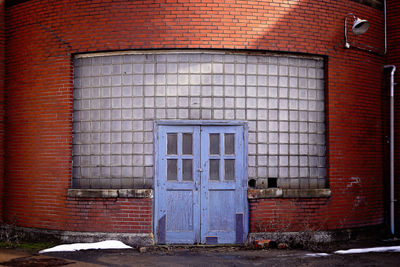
39	83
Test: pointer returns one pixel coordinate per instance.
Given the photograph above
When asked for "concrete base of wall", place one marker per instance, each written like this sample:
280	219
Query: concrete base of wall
137	240
24	233
319	237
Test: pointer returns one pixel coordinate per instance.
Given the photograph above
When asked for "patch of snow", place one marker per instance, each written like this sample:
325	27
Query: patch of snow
317	254
108	244
368	250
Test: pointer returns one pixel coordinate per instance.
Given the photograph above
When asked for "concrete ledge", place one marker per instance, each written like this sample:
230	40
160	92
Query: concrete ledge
287	193
59	236
132	239
110	193
309	237
135	193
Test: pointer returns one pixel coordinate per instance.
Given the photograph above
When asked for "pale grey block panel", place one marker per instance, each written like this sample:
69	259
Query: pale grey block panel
117	98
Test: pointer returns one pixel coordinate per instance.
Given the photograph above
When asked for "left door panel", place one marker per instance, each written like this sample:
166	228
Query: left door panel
178	202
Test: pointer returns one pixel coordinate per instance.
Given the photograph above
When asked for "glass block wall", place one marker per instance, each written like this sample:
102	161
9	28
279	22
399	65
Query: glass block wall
118	97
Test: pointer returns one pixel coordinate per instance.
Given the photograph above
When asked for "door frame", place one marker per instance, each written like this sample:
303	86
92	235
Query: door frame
158	123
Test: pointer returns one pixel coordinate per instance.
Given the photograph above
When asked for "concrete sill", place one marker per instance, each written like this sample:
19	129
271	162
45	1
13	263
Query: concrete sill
287	193
110	193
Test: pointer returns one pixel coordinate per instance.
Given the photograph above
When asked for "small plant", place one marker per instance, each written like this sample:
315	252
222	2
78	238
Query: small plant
12	237
9	236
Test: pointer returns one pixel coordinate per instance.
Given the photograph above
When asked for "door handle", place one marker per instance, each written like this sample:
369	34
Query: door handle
196	185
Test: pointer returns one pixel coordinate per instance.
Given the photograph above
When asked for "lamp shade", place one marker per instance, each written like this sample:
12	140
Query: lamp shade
360	26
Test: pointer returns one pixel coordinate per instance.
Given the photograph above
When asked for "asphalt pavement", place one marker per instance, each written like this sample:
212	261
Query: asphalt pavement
208	256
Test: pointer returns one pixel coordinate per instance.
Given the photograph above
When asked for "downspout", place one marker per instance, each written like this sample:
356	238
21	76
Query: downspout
393	67
391	146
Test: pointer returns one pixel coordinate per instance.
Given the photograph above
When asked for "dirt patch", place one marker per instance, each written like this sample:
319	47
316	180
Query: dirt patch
33	261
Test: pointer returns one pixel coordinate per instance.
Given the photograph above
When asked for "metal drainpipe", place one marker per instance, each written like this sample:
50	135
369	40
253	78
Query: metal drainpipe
391	145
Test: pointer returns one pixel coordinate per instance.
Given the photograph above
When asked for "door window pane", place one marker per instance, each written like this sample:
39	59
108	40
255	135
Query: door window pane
187	144
172	169
214	144
214	169
229	169
229	144
172	144
187	174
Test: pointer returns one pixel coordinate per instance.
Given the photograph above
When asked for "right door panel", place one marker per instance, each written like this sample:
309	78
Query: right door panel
222	185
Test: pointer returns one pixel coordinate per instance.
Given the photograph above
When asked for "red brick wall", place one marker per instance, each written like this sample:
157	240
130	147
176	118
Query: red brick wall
2	76
270	215
393	58
125	215
42	35
289	215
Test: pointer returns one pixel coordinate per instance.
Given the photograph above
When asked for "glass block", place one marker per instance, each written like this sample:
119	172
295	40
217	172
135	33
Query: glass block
262	148
187	170
240	68
262	137
303	161
187	144
294	183
273	161
303	172
214	144
321	183
262	91
321	172
283	115
283	126
294	172
273	70
214	169
172	166
273	149
116	172
283	160
229	169
273	172
283	172
294	160
172	144
293	149
283	138
273	103
273	126
252	160
273	92
283	149
262	69
262	80
314	172
229	144
273	137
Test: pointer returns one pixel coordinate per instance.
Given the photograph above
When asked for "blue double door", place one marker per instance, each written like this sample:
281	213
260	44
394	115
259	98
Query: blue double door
200	190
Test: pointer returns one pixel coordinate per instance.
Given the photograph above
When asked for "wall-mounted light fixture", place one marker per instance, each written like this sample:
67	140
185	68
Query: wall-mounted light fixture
360	26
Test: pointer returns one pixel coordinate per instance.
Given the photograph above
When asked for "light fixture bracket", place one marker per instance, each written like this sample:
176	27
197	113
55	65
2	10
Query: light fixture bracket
360	26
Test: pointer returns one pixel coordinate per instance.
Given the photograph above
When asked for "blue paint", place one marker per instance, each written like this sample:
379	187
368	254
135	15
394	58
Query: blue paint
211	240
161	230
239	228
222	199
201	210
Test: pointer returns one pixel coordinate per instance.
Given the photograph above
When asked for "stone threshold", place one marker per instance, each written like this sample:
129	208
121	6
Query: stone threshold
110	193
287	193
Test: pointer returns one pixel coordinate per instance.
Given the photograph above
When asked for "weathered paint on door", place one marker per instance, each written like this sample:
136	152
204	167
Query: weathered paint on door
200	185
